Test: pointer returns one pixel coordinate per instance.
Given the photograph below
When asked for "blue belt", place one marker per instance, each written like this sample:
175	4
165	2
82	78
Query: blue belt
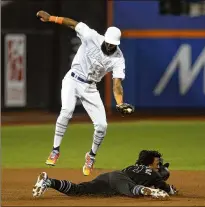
81	79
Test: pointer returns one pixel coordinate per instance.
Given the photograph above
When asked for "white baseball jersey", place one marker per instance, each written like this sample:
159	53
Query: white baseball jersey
91	64
90	61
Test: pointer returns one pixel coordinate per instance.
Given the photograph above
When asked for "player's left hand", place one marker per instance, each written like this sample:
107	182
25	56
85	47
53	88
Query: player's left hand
44	16
125	108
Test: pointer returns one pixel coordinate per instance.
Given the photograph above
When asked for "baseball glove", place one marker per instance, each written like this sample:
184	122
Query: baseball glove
125	108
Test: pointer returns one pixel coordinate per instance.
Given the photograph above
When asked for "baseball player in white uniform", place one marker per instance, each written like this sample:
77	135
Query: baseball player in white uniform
96	56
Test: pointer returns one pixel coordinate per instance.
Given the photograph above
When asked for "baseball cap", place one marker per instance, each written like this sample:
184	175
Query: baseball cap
113	35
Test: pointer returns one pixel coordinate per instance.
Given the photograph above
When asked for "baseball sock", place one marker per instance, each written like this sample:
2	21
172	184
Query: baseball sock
61	126
57	148
97	140
91	153
62	186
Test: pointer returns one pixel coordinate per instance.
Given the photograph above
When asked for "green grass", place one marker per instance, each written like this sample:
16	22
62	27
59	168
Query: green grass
182	144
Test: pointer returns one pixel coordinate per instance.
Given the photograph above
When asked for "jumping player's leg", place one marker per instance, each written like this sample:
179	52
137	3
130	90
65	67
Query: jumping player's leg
94	106
68	101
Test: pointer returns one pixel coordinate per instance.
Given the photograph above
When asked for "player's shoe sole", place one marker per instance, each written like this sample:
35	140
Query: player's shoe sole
50	163
52	159
89	162
155	193
40	187
86	171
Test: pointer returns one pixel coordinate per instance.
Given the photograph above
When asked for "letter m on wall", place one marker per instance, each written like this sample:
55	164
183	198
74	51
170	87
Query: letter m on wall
187	72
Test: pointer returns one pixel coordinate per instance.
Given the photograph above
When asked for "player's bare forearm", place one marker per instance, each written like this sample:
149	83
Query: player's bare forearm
118	90
45	17
69	22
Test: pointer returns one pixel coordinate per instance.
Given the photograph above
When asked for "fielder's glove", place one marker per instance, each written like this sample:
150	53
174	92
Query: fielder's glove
125	108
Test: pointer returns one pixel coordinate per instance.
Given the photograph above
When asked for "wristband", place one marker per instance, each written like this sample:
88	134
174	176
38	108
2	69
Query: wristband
56	19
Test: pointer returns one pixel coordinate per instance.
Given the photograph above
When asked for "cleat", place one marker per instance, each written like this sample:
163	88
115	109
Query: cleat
53	157
89	162
155	193
41	185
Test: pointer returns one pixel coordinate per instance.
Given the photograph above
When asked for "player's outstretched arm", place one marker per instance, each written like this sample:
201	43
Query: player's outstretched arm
45	17
118	90
123	108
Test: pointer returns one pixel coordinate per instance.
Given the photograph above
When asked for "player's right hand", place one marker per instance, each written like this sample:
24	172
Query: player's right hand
44	16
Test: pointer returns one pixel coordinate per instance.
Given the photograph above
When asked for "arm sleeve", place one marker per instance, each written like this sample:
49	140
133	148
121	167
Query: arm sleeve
119	69
82	30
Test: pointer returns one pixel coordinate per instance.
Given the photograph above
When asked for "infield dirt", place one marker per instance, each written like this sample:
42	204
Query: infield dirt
17	190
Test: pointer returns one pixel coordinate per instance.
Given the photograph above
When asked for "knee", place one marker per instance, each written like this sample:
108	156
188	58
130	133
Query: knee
66	113
101	128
